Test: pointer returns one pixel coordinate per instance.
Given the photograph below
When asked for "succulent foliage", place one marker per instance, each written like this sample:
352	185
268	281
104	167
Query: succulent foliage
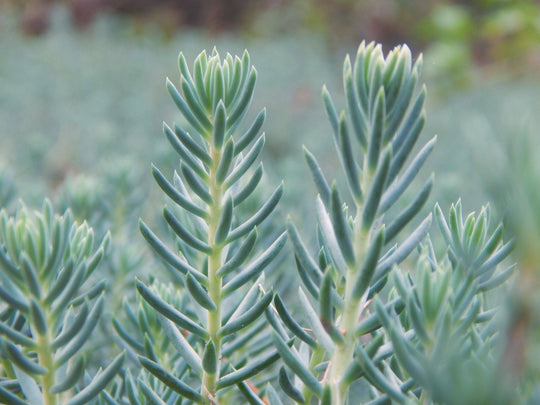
49	308
369	324
359	236
216	253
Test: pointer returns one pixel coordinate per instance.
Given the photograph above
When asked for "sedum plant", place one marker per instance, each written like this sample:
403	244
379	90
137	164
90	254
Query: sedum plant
454	355
358	236
369	325
49	308
216	240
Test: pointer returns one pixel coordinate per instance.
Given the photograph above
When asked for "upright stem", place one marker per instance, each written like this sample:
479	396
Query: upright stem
344	352
46	359
214	283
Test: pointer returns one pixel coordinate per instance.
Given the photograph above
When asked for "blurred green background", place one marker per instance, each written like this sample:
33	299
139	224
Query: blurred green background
82	88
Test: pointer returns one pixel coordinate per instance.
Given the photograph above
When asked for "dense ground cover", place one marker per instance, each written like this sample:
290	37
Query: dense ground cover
80	120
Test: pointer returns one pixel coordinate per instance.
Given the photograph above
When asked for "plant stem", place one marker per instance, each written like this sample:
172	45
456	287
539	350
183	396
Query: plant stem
344	352
45	355
214	283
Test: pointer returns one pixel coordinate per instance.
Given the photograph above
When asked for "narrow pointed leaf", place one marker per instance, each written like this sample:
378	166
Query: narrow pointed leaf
329	236
249	187
318	177
377	129
341	228
245	164
16	337
288	388
377	188
195	184
184	234
380	379
191	145
410	211
21	361
490	246
194	104
330	111
171	381
403	250
30	275
175	195
8	398
249	393
210	360
407	129
69	331
248	300
290	322
241	106
240	255
248	317
220	123
396	189
252	132
248	371
98	383
295	364
369	264
225	162
151	396
498	280
181	344
199	293
13	301
373	322
303	255
167	255
169	311
126	337
349	163
74	374
185	110
322	337
257	266
38	318
357	117
263	212
401	155
82	334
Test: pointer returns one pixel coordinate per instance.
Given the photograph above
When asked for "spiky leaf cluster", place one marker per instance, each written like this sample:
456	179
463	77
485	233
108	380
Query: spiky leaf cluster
374	138
448	345
49	308
215	241
142	326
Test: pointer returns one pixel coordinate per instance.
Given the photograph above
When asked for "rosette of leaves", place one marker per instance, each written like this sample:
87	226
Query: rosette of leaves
215	239
448	345
48	308
358	235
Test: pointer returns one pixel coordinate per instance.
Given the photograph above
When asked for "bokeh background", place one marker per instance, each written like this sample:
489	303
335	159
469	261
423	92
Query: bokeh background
82	94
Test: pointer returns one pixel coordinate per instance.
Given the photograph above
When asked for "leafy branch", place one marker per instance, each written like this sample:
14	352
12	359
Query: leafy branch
216	247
